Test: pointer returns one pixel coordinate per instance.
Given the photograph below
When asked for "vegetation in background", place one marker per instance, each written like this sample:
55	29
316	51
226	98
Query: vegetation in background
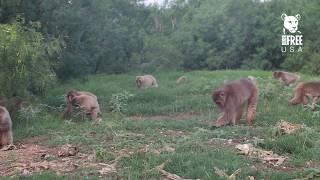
119	102
25	61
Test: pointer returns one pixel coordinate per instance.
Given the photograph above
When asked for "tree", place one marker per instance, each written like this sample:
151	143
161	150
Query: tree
25	66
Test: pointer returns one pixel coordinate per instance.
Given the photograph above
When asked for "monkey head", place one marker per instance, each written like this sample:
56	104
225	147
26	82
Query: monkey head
76	101
277	74
138	81
71	94
219	97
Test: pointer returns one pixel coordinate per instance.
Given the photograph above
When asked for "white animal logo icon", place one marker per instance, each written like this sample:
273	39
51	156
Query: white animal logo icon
290	23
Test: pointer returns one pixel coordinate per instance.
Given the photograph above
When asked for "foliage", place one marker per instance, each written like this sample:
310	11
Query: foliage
119	36
273	89
29	112
25	67
119	102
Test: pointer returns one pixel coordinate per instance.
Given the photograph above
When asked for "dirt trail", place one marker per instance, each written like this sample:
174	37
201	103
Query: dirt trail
176	117
31	157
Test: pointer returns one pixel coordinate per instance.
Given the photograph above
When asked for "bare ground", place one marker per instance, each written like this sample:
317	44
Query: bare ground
28	158
174	117
31	157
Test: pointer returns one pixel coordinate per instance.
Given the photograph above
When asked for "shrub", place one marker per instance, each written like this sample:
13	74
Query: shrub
119	102
25	66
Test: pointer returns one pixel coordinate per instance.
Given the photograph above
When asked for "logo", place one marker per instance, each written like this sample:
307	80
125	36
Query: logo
291	40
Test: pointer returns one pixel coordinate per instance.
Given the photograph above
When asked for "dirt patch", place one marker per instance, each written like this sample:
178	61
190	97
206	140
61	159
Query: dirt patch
29	158
173	133
230	143
35	140
286	167
26	159
179	116
257	165
13	161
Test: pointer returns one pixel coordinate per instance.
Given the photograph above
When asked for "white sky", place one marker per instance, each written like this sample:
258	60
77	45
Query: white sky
160	2
153	2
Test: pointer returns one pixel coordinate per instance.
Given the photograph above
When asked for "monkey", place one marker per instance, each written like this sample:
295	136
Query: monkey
253	79
286	77
146	81
306	91
231	98
73	93
181	79
5	127
86	100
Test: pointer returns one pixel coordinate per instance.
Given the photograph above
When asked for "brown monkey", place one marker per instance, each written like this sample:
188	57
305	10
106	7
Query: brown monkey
74	93
181	79
85	100
231	98
146	81
5	127
286	77
306	91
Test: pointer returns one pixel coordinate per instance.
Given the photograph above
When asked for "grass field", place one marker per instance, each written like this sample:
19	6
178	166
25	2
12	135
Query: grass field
174	116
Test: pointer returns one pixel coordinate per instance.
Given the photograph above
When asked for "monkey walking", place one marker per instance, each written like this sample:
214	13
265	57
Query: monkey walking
305	92
231	98
286	77
86	100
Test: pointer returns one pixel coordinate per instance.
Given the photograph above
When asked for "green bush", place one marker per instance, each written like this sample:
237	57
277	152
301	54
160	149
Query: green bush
119	102
25	67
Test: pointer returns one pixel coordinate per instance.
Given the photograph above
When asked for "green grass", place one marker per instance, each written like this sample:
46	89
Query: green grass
194	157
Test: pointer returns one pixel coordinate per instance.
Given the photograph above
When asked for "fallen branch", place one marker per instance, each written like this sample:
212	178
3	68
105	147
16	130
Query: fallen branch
267	157
8	147
167	175
112	168
284	127
221	173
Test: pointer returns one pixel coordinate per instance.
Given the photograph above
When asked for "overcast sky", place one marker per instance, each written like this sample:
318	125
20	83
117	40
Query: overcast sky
160	2
151	2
